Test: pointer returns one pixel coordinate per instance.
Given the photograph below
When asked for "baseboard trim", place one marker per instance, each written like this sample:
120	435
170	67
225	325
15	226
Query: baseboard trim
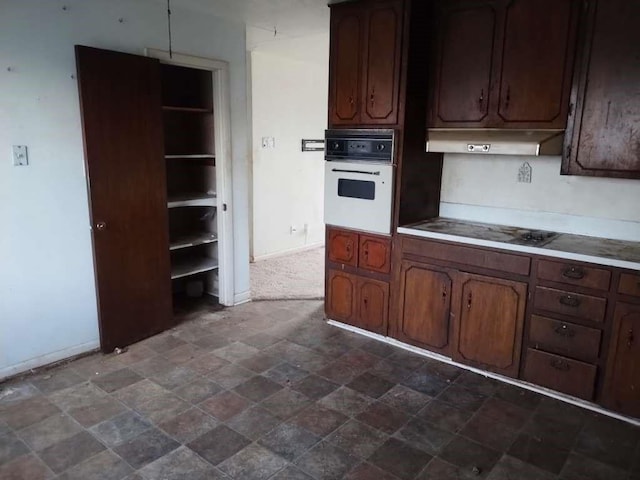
243	297
282	253
518	383
48	359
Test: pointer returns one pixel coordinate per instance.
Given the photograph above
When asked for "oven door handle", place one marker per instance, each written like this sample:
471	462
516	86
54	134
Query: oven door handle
362	172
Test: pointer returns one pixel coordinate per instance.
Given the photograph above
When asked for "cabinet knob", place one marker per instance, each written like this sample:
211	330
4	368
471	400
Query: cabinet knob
569	301
481	100
630	338
574	273
564	331
101	226
469	300
507	100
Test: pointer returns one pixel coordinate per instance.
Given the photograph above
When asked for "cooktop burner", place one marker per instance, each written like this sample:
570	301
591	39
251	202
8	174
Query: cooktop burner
536	238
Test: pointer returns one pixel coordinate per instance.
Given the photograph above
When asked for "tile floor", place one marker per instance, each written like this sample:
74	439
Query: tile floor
269	391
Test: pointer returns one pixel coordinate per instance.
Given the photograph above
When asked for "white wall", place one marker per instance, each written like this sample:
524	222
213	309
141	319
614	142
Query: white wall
289	103
47	294
599	206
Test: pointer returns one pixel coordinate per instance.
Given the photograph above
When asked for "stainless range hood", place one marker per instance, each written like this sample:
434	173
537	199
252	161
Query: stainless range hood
495	141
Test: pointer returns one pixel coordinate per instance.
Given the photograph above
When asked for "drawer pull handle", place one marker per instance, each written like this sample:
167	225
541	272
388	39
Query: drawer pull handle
560	365
569	301
574	273
630	338
564	331
469	300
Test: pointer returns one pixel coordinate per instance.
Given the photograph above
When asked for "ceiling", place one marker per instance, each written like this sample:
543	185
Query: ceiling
286	18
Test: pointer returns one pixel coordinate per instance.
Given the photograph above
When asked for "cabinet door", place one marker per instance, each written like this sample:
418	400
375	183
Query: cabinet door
122	127
622	387
603	138
383	52
425	302
345	65
537	62
343	247
341	296
465	63
488	323
373	305
375	253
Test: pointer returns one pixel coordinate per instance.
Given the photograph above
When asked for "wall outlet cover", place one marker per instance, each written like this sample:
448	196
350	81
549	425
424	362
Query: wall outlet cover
20	156
524	173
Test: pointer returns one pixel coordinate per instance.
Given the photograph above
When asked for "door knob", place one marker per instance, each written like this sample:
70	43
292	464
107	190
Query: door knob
101	226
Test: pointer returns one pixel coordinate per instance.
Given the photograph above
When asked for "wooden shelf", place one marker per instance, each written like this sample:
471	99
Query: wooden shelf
193	266
198	155
193	200
171	108
193	240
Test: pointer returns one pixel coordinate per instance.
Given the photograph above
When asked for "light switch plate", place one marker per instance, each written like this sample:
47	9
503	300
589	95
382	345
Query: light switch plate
20	157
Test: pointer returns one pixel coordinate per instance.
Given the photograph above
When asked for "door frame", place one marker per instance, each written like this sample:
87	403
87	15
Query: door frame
223	153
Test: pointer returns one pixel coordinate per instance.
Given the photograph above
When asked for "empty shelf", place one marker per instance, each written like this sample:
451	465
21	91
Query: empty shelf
195	155
193	200
193	266
193	240
173	108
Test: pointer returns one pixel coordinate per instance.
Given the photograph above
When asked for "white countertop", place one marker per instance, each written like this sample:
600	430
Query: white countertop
602	251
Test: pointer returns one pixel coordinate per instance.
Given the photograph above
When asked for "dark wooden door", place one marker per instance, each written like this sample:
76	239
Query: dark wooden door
342	247
375	253
425	305
341	296
345	65
383	52
122	126
622	388
488	323
465	64
603	137
373	305
537	62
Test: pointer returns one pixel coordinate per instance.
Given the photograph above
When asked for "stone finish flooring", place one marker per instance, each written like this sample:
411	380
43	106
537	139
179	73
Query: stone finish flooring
267	390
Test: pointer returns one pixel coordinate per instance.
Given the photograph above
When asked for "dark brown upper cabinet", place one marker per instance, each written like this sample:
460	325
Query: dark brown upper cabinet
504	63
365	64
603	136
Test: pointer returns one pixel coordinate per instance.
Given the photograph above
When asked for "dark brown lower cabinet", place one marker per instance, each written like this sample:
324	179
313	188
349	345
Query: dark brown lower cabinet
622	386
359	301
425	306
489	317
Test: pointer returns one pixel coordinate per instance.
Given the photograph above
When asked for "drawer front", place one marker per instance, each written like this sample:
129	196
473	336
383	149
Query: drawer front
375	254
629	285
503	262
567	339
574	274
569	303
560	373
343	247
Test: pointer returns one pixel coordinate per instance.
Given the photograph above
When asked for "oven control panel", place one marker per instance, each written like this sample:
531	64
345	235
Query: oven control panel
373	145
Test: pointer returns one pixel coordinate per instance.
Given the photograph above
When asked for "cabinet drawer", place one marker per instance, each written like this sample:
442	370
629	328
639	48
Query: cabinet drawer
560	373
375	254
573	304
503	262
567	339
343	247
629	285
574	274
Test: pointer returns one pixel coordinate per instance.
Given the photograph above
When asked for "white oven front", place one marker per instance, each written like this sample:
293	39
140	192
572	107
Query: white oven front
359	195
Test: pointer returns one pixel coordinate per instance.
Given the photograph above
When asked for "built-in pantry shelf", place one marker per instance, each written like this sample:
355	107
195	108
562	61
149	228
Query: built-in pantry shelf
193	240
196	155
192	266
193	200
175	108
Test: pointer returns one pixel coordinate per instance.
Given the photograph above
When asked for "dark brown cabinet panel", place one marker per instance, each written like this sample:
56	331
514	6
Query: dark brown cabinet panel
345	66
603	137
341	296
504	64
122	126
568	339
574	274
537	60
488	323
464	64
373	305
573	304
629	285
375	254
343	247
560	373
382	66
622	387
365	63
425	306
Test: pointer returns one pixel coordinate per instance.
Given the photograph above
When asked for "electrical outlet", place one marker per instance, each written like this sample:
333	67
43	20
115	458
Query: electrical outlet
268	142
524	173
293	229
20	157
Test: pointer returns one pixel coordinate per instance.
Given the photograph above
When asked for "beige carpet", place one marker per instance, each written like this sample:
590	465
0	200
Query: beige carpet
296	276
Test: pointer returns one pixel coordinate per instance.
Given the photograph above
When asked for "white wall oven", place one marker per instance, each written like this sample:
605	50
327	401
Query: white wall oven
359	178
